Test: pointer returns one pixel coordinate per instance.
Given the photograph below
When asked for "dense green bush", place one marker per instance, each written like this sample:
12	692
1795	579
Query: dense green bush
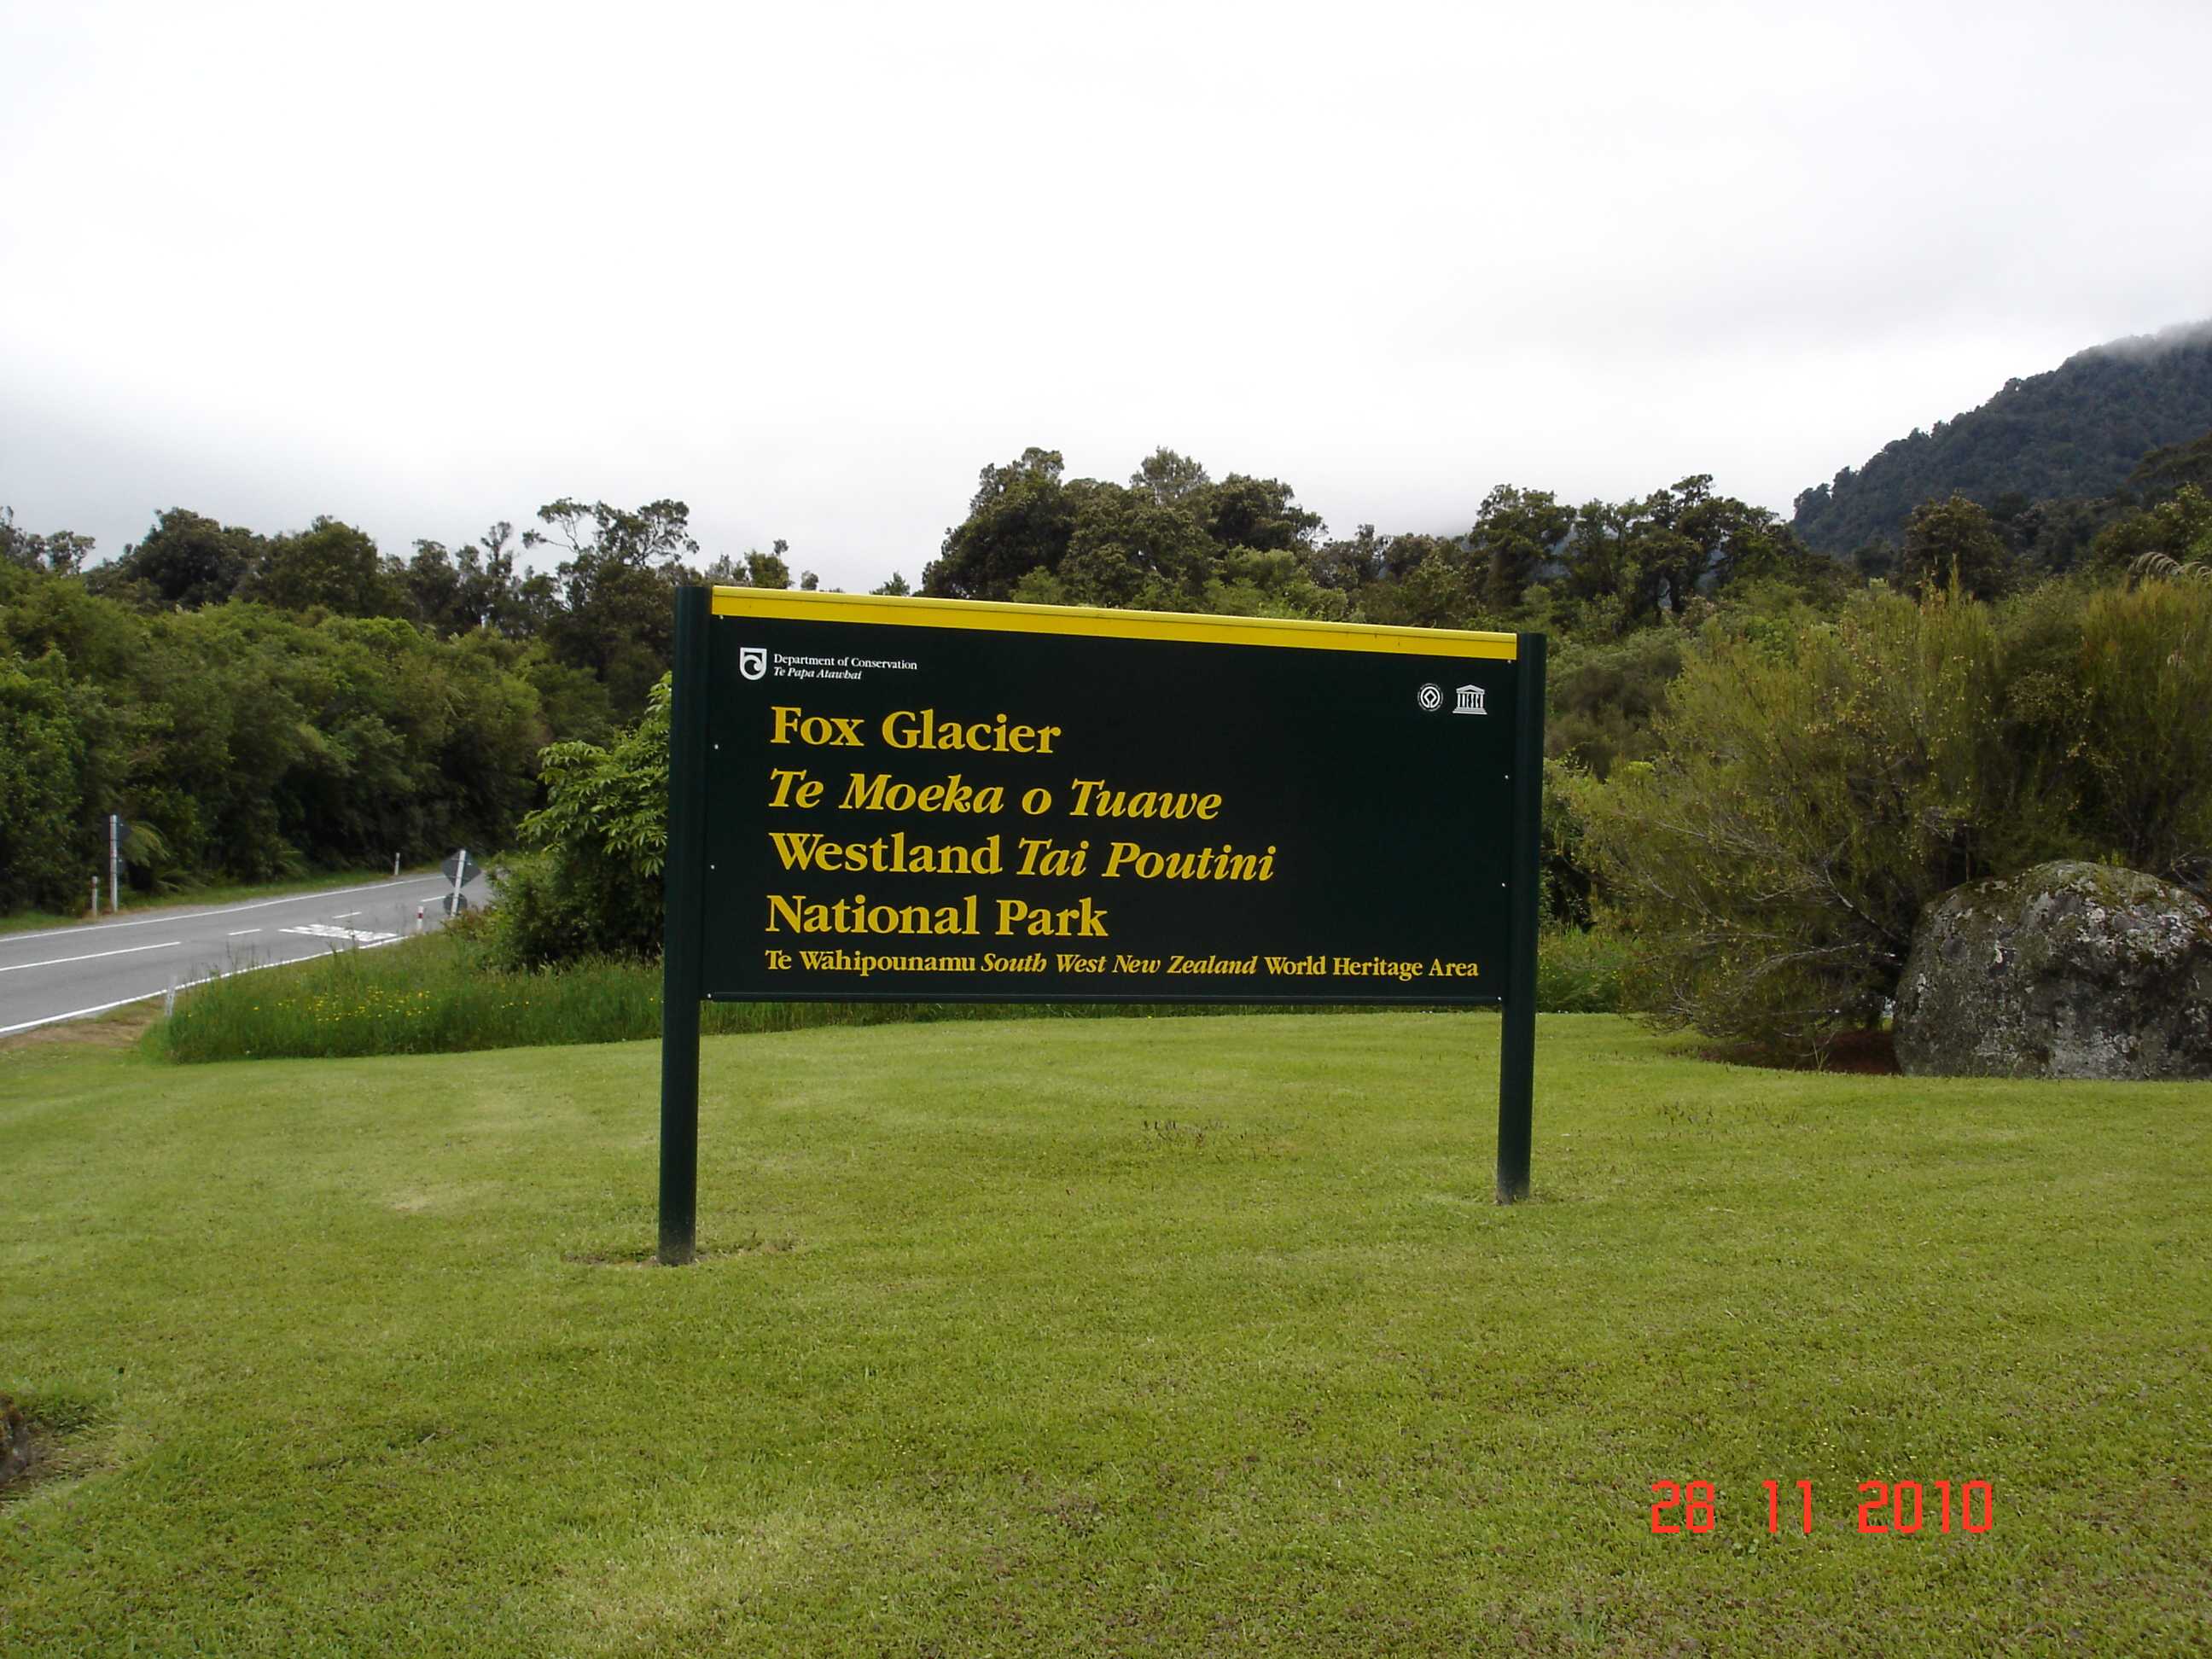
1817	790
41	768
590	882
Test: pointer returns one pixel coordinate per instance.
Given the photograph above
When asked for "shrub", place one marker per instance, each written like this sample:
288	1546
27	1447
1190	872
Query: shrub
1819	787
591	884
1815	792
2133	742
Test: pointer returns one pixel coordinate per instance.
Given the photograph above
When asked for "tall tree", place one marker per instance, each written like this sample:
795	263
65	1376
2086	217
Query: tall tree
59	552
1515	532
330	564
185	561
1130	547
1020	520
1256	513
1169	477
618	584
1956	541
754	568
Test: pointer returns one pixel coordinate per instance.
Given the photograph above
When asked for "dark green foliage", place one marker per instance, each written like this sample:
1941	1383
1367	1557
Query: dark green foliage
2164	473
2077	431
593	884
42	753
1627	564
1514	534
1954	544
329	566
754	568
2109	692
60	552
618	590
1604	695
2178	528
185	561
1170	539
249	743
1401	581
477	587
1018	521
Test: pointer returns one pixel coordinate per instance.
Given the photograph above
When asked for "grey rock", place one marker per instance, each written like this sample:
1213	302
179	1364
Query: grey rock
2066	971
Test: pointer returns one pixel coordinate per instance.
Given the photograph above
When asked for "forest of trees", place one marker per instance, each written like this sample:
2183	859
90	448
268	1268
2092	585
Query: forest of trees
259	707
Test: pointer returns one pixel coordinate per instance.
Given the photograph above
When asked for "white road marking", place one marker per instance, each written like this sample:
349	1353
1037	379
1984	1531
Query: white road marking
355	935
242	932
171	918
80	1013
345	915
60	962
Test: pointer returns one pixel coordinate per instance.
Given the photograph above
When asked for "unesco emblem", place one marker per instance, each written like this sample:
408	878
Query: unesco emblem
752	661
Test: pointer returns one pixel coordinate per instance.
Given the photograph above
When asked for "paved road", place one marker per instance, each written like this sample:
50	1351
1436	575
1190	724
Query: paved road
70	973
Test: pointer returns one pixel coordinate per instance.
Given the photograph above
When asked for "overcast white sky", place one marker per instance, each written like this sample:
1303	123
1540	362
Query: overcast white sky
809	266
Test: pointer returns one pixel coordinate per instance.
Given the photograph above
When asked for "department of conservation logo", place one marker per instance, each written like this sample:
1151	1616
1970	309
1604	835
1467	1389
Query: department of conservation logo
752	661
1430	697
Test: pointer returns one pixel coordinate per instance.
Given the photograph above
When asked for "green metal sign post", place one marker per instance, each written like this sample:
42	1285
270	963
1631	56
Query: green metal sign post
684	881
894	799
1516	1057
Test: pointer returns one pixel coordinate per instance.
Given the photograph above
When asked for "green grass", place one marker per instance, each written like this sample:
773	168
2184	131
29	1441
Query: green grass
1087	1337
219	893
439	995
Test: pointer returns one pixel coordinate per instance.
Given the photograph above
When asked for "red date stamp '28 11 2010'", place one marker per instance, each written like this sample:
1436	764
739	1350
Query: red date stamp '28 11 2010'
1902	1506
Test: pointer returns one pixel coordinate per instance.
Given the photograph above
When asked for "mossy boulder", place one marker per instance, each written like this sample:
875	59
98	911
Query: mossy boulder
2067	970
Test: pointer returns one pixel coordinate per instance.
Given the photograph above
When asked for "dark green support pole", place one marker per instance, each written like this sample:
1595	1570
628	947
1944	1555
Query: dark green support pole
1516	1067
683	928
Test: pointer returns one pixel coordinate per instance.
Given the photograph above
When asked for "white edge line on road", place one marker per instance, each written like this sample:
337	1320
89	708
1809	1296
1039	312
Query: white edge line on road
242	932
64	961
82	928
87	1013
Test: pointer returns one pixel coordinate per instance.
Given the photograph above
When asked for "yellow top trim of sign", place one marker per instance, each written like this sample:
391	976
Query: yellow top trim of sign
993	616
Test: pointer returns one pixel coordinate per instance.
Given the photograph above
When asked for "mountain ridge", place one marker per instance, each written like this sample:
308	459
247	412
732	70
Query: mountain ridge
2078	430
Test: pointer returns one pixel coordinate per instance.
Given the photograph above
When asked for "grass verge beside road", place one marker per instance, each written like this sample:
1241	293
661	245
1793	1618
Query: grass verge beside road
1197	1336
440	994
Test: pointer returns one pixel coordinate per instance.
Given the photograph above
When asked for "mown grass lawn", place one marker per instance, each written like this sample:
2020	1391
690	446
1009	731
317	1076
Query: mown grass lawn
1094	1337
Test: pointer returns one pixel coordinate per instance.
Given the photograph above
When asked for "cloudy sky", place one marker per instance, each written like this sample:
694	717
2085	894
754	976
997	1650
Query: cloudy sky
808	266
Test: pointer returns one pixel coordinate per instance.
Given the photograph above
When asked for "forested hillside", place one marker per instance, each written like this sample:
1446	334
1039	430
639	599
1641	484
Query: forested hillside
261	707
2077	431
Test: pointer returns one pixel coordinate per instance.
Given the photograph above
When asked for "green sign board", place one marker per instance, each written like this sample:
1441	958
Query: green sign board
931	800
